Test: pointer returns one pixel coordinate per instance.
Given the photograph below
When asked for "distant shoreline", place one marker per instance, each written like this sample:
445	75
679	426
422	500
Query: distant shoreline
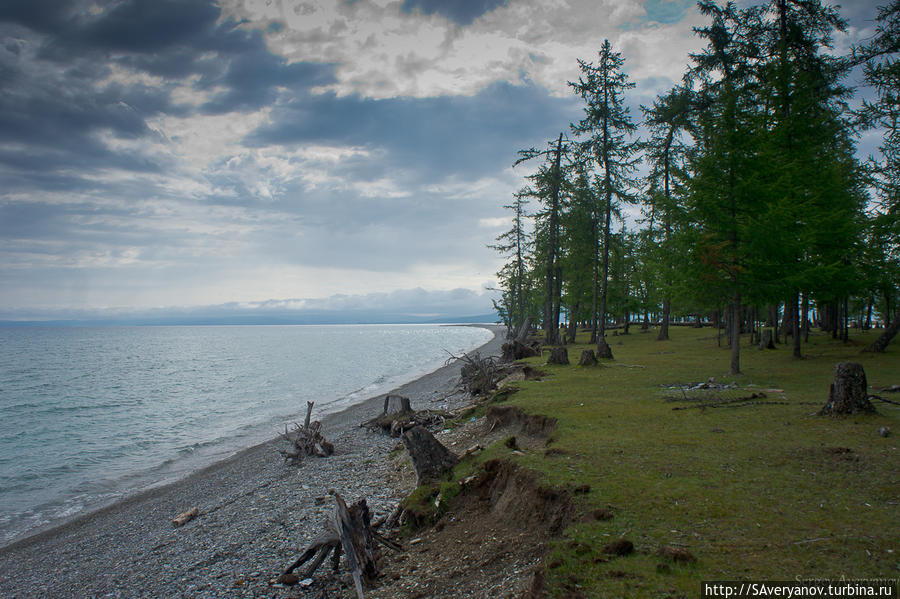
310	320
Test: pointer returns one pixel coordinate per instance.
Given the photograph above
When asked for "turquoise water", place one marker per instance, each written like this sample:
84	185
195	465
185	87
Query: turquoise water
88	415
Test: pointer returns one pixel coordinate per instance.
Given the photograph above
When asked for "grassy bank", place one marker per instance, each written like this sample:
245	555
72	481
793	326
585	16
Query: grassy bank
758	490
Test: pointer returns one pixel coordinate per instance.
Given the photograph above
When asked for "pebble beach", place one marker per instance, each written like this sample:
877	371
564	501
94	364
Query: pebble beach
256	514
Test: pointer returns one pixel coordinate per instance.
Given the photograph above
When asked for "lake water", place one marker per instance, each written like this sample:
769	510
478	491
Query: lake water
88	415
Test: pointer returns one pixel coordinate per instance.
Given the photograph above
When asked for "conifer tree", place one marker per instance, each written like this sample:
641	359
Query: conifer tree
881	57
608	128
548	184
720	202
667	119
515	244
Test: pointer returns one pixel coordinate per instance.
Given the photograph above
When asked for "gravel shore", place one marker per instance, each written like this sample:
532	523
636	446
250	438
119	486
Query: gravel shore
256	513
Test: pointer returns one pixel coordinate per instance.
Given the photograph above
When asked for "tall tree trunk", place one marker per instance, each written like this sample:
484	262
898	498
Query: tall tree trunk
664	321
717	322
603	349
806	317
573	322
557	299
595	272
795	326
772	320
551	325
736	332
845	324
787	325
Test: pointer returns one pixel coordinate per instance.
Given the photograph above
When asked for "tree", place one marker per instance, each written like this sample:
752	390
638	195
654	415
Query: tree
548	182
720	202
581	250
609	128
806	170
667	119
515	244
882	73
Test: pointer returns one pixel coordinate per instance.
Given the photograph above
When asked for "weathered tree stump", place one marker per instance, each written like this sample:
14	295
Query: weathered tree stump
430	459
768	340
604	351
587	358
558	355
398	416
849	392
396	403
517	350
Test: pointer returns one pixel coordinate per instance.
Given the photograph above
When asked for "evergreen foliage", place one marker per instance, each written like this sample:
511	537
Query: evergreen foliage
754	205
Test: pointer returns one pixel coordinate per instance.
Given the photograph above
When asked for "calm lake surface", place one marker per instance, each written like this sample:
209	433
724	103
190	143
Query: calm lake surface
88	415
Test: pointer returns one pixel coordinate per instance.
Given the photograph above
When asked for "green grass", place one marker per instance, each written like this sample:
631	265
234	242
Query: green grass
758	492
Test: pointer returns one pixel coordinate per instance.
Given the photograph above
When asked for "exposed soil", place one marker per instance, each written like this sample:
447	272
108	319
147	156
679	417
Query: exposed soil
491	540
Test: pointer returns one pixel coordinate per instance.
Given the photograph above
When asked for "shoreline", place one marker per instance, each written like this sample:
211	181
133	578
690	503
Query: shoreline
105	551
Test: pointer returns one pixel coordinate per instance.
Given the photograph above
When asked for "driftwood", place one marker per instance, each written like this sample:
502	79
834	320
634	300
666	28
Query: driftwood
306	440
349	529
398	416
430	459
479	375
185	517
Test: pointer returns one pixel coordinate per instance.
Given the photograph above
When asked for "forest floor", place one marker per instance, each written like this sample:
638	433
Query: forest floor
708	476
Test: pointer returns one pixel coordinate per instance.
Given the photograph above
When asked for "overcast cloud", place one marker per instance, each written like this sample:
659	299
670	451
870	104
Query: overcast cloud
259	153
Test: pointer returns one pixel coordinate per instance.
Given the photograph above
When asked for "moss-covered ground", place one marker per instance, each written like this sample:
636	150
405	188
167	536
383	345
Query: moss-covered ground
766	490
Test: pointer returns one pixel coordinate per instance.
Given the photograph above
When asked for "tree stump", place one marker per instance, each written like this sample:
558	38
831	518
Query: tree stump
430	459
558	355
587	358
768	340
396	403
603	349
849	392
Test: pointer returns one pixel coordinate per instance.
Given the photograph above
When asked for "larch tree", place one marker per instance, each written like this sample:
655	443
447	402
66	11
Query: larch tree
547	188
721	202
515	244
608	129
667	120
882	73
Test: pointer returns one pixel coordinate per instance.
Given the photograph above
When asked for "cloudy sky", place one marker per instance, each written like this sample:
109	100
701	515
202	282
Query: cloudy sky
259	153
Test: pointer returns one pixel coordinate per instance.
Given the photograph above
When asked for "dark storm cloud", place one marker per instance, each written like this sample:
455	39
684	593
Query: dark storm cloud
444	135
56	104
461	12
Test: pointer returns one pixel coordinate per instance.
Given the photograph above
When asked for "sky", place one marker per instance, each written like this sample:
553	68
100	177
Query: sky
262	156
